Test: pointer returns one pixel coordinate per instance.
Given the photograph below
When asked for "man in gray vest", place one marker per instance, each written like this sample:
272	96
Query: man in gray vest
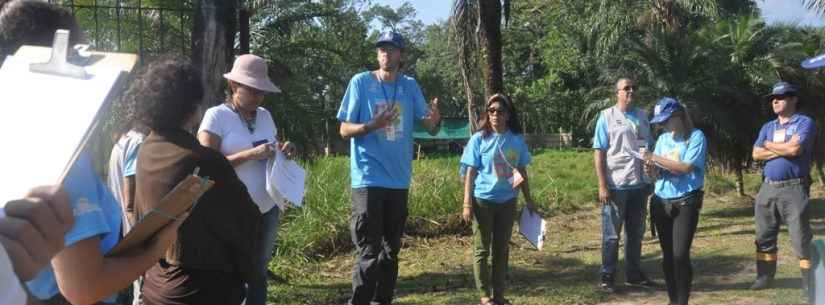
623	190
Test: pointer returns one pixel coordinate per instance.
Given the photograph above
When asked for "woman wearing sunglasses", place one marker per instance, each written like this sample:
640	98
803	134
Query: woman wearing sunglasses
496	159
678	166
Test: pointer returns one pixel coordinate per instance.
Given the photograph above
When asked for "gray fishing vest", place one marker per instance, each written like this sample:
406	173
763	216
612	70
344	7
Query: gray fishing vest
622	168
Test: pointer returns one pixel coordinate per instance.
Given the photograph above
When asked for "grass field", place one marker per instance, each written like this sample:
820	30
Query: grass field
315	252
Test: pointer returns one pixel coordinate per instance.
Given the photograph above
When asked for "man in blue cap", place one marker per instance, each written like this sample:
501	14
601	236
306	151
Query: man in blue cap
377	115
785	144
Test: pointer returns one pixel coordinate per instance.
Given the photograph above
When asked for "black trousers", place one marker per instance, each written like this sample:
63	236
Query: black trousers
377	224
676	223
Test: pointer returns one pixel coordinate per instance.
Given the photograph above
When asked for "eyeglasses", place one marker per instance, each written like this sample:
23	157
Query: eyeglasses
628	88
495	111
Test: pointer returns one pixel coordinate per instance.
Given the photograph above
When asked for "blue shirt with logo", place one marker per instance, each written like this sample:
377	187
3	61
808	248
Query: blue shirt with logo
693	151
495	157
784	168
383	157
96	214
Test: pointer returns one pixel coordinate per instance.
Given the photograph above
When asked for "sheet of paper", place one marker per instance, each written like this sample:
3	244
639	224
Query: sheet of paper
779	136
533	228
288	179
44	121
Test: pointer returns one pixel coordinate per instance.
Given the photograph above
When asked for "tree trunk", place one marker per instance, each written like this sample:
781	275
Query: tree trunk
490	39
213	42
243	27
468	90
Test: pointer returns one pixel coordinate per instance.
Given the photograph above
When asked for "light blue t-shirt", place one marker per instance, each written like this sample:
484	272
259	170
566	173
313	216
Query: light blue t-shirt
487	156
383	157
96	213
693	151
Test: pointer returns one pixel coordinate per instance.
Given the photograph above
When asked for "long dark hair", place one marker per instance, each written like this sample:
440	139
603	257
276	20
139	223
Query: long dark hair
33	22
513	123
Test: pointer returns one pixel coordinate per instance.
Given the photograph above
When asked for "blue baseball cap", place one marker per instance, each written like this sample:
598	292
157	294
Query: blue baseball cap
781	88
664	108
392	38
814	62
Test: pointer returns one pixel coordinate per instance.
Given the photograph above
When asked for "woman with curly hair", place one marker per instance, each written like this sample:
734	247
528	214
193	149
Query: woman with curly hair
213	256
33	22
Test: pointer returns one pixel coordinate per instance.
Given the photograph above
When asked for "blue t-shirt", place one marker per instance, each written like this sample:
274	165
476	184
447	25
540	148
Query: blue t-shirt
783	168
487	156
601	139
383	157
693	152
96	213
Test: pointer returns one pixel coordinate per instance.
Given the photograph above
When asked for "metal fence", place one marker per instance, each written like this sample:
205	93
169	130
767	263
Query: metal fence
145	27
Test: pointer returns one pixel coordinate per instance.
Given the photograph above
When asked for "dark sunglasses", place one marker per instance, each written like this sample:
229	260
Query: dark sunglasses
495	111
628	88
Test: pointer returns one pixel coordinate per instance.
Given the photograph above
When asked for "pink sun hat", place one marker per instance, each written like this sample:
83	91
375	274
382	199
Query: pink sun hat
251	70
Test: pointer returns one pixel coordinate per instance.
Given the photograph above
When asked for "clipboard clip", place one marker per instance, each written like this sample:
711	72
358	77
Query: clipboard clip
59	64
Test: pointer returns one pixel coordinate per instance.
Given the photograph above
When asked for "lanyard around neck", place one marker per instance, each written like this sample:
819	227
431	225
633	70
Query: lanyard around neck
390	103
500	148
250	123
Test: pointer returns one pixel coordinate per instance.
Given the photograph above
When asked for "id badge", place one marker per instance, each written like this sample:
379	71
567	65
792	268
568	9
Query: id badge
516	179
779	136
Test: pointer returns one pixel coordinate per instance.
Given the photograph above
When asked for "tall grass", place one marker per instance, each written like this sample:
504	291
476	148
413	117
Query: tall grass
561	182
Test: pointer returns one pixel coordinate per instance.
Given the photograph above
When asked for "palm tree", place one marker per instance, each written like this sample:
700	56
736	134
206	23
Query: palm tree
817	5
478	23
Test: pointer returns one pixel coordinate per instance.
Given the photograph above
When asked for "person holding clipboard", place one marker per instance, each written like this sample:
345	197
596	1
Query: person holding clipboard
496	158
677	164
80	273
214	255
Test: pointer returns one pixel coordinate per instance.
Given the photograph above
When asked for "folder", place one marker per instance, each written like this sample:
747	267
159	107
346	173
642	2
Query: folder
533	228
179	200
51	109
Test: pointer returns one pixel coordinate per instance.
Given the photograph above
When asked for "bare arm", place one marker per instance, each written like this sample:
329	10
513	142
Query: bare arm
433	121
129	199
675	167
85	276
351	130
599	157
525	189
762	154
213	141
791	148
469	188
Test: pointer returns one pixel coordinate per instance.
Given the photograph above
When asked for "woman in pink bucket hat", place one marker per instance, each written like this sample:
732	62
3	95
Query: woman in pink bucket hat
245	133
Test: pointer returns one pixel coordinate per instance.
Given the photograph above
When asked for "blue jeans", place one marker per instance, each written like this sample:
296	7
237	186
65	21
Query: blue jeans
625	207
256	290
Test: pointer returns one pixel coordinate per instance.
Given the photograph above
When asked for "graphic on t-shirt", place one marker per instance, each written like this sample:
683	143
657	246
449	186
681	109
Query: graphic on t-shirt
503	167
395	130
674	154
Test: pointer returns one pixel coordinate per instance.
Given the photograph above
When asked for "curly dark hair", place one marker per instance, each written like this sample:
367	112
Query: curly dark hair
33	22
166	93
513	122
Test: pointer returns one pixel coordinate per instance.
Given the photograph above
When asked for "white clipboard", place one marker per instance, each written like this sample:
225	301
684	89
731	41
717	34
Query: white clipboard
48	118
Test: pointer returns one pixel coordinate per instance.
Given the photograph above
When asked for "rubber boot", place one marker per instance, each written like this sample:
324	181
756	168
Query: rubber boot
807	281
765	271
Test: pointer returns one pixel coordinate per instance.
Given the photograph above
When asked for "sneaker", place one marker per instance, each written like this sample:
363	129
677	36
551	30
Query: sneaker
642	281
607	285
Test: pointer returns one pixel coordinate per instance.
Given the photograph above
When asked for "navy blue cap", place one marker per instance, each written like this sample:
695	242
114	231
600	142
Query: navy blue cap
664	108
814	62
392	38
781	88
